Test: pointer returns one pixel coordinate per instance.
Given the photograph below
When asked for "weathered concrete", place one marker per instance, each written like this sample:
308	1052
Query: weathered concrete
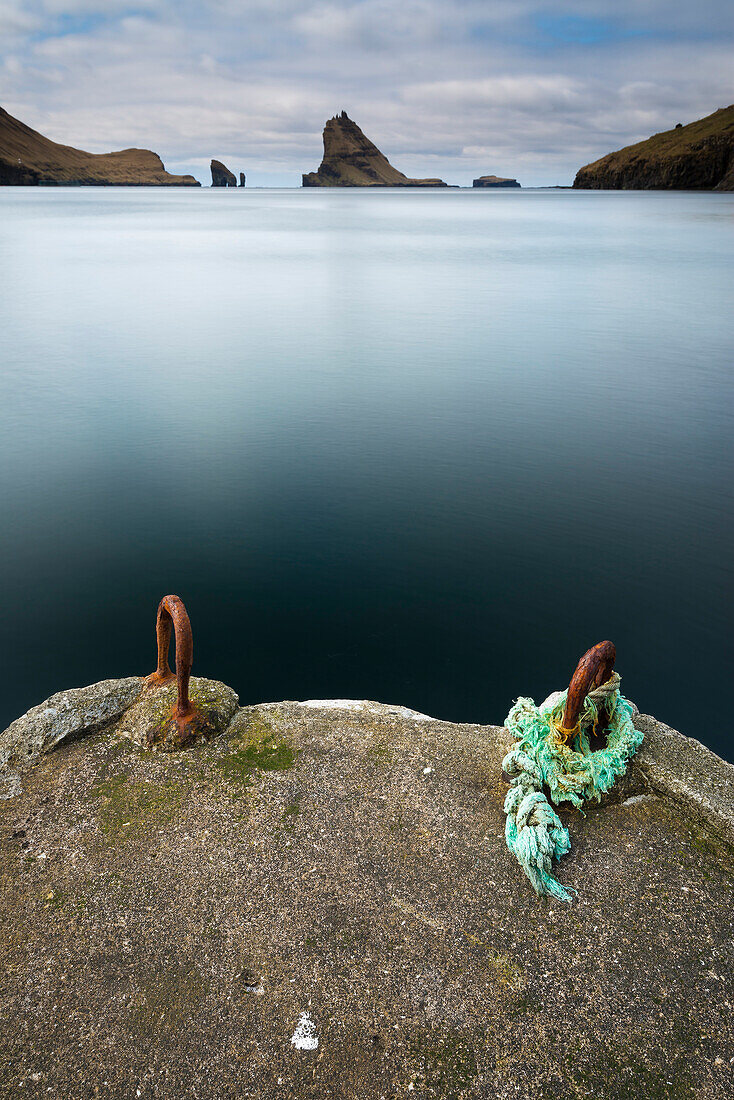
189	925
150	722
683	769
68	714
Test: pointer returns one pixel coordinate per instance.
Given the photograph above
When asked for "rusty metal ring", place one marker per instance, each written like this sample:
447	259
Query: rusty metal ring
593	670
172	615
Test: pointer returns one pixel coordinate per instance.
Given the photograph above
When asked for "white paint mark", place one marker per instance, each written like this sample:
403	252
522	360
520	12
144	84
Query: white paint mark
551	701
11	786
427	771
366	705
637	798
305	1037
411	911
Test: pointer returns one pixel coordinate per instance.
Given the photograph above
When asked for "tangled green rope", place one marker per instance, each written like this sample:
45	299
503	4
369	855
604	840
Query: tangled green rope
547	756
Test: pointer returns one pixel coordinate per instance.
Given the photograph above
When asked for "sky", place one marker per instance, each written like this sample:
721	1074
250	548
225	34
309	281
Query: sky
449	88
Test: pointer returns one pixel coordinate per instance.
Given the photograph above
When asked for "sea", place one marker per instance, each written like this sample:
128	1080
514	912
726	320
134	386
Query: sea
421	447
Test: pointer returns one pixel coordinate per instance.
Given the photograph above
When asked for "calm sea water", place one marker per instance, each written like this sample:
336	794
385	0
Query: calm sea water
424	448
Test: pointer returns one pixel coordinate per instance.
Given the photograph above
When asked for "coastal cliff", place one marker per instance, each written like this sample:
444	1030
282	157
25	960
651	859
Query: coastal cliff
352	160
696	157
27	158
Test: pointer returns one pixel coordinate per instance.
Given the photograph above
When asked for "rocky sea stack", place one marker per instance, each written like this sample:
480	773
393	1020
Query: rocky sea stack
221	175
351	160
696	157
27	158
495	181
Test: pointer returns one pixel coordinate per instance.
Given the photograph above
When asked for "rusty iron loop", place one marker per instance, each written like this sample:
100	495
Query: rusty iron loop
593	670
172	615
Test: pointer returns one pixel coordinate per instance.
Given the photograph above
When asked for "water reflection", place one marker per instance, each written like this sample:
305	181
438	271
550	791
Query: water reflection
426	447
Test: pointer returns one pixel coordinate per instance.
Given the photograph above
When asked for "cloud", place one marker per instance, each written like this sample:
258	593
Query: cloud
524	92
373	25
15	19
451	87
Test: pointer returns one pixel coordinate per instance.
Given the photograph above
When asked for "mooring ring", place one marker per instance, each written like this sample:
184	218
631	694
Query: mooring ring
172	615
594	669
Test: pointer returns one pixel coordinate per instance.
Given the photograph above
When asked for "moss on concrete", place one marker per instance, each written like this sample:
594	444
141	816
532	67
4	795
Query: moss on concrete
128	807
446	1064
622	1073
169	998
289	815
500	967
257	745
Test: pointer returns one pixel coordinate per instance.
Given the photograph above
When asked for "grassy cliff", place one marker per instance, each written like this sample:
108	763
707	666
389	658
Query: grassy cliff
696	157
29	158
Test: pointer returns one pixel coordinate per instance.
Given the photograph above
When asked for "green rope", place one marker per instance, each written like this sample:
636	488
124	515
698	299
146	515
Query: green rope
547	756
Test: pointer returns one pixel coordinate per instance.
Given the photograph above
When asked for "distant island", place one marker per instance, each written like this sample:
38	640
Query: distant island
352	160
27	158
696	157
495	181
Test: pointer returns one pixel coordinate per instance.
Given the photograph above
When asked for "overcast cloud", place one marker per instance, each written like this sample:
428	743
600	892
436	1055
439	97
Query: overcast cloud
455	88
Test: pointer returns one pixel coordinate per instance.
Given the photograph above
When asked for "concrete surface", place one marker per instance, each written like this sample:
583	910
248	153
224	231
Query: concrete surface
319	903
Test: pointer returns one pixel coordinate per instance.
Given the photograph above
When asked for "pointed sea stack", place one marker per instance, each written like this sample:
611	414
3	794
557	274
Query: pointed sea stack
351	160
696	157
495	181
242	179
28	159
221	175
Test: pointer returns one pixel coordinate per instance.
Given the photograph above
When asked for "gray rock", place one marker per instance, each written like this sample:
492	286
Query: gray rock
149	721
67	715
